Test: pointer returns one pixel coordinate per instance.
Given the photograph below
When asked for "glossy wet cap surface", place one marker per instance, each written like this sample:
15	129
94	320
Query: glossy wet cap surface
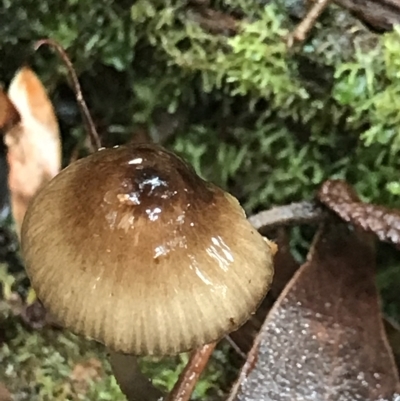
130	247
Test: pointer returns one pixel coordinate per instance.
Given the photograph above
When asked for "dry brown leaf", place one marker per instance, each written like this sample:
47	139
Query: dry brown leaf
34	146
324	338
341	198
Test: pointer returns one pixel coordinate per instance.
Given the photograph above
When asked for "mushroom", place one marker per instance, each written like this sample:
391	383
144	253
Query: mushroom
131	248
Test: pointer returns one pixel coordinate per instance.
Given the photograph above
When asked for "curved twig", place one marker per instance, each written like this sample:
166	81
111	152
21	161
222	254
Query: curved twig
91	129
295	213
187	381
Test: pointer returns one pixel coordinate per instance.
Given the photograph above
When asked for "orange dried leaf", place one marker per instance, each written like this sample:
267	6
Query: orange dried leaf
34	146
9	115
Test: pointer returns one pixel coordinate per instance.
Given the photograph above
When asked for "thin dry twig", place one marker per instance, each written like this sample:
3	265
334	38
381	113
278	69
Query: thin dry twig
91	129
294	213
305	26
235	347
74	154
187	381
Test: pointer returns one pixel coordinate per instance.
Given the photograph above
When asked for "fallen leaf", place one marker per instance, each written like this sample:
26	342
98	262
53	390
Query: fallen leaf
34	146
324	338
9	115
338	196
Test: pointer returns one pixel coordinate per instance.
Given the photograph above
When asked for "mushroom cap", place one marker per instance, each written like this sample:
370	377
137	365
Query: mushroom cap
130	247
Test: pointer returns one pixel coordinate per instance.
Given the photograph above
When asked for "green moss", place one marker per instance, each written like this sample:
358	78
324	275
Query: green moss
50	365
266	123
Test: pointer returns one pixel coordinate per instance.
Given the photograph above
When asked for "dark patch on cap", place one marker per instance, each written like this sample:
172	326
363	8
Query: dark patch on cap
140	182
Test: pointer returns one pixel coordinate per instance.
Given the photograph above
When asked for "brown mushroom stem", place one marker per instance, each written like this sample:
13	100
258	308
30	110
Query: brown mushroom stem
133	383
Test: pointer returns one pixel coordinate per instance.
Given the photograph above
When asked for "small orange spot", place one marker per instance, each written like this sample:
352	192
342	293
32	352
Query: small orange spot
272	246
125	199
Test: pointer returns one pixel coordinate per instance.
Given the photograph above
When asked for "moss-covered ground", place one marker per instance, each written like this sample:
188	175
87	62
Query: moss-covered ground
214	81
